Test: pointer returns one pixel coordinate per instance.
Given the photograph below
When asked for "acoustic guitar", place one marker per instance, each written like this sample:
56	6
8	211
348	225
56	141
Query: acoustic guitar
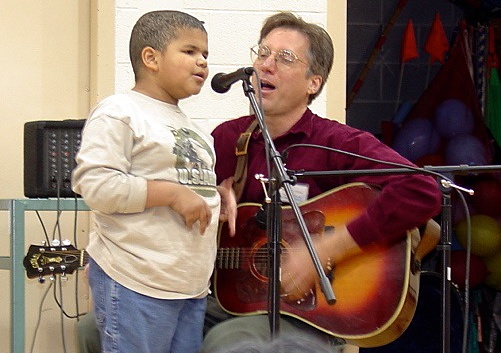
376	291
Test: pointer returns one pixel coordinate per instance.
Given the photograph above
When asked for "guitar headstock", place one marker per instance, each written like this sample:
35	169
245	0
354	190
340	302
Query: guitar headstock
44	260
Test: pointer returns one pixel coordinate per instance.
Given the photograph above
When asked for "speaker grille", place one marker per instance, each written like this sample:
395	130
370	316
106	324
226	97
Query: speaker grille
49	157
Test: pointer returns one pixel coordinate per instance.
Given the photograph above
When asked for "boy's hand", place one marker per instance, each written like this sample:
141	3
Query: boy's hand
192	208
182	200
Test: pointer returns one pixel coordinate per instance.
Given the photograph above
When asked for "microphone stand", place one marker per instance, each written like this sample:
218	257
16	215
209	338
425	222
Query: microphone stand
279	178
444	246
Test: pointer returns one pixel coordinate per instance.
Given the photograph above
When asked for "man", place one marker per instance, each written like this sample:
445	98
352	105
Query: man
293	60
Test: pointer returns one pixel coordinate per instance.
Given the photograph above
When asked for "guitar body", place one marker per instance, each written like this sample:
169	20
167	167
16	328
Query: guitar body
376	293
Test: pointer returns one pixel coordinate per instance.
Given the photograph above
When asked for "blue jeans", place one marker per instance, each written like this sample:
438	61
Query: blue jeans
130	322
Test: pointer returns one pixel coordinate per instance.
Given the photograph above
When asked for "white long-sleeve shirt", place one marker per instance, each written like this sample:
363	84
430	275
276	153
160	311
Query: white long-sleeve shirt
129	139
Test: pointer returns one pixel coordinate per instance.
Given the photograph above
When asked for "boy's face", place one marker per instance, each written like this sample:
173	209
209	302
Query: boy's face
182	67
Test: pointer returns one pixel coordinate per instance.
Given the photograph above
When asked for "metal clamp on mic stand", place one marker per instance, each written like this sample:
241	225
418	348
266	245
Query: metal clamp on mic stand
278	179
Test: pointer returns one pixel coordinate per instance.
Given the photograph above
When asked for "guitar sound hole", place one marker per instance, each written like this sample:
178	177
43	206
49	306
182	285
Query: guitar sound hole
259	262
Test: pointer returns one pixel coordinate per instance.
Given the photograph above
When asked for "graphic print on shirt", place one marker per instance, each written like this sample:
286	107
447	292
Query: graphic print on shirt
195	162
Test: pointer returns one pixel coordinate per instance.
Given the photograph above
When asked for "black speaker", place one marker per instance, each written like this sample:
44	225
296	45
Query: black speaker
49	157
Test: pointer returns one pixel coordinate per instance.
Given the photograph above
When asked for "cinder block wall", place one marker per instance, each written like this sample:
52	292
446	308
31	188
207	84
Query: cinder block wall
233	28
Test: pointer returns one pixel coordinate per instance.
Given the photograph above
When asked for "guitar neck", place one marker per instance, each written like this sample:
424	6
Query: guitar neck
49	260
232	258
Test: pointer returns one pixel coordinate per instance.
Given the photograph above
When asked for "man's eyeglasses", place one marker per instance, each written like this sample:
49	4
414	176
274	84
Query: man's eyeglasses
284	57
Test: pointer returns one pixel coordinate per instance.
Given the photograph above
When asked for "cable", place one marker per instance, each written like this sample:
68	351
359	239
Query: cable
43	227
57	233
467	274
37	326
406	166
75	224
63	336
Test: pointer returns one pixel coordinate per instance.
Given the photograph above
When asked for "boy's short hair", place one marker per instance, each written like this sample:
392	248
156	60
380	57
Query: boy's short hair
156	29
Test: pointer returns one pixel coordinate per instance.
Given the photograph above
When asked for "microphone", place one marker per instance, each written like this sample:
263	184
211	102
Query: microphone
221	83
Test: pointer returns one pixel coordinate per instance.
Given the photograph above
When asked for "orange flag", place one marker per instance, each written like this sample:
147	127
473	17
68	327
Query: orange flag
409	48
437	44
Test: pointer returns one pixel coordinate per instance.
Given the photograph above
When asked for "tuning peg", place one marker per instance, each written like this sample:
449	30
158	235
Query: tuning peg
55	242
64	278
66	242
41	280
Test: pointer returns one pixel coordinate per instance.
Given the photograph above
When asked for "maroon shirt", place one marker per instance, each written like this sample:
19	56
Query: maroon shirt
406	201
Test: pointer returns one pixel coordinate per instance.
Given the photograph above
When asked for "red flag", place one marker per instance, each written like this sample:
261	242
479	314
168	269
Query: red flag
409	48
437	44
493	59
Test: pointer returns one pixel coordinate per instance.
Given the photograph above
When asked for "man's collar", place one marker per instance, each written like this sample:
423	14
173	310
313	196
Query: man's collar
302	126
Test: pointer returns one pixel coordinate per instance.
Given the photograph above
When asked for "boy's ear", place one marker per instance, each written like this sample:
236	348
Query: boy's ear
149	58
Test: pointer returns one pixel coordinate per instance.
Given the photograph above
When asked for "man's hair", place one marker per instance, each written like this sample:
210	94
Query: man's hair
321	51
157	29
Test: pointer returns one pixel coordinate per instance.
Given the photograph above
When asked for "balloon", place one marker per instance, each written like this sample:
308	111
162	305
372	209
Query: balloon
493	264
453	117
485	235
478	269
487	197
465	149
430	159
416	138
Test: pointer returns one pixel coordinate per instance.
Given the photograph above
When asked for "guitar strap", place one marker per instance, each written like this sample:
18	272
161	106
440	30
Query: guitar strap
429	238
240	175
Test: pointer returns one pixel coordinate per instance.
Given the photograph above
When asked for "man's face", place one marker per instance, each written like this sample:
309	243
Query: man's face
285	87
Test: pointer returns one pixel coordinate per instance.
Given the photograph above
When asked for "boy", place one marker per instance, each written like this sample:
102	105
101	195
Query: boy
147	173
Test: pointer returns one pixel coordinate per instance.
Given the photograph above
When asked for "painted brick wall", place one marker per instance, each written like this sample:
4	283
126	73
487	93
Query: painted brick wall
376	100
233	28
